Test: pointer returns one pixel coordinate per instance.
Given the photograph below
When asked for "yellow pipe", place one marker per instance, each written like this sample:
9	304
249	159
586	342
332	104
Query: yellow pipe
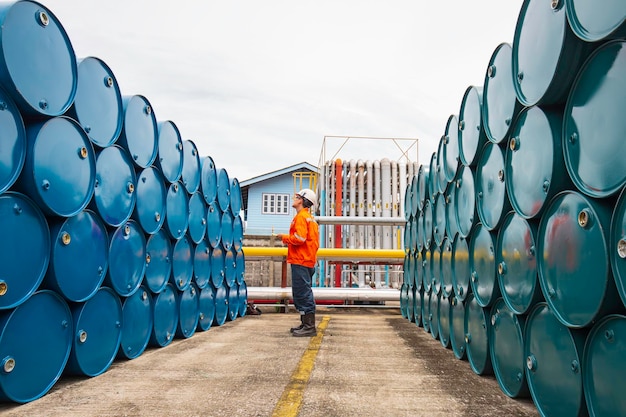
328	253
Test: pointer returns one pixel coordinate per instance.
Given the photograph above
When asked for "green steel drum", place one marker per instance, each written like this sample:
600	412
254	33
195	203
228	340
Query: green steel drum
457	327
404	300
516	258
408	197
412	237
423	189
460	267
451	148
425	306
442	180
594	123
410	302
428	224
420	231
439	219
435	283
553	364
433	181
477	328
428	270
603	367
500	104
409	269
546	53
418	306
471	132
535	169
415	203
465	201
572	247
433	317
506	346
492	201
452	226
418	272
482	262
446	267
443	320
597	20
617	245
407	238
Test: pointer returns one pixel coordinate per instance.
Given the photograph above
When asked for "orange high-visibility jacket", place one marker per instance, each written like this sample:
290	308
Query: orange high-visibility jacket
303	240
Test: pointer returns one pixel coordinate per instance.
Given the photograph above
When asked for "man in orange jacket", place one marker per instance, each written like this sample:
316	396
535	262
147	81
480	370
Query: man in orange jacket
302	244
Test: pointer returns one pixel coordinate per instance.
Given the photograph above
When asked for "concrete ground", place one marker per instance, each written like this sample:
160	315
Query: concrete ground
368	362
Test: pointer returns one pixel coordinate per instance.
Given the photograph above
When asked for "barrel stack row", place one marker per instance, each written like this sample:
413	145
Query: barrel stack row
516	230
117	235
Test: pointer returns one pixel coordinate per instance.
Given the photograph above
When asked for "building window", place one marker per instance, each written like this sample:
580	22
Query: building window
275	204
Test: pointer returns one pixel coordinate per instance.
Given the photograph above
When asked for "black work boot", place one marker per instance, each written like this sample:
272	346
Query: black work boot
293	329
308	328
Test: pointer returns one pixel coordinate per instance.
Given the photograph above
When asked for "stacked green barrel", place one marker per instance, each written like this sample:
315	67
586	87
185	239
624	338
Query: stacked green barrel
529	282
116	234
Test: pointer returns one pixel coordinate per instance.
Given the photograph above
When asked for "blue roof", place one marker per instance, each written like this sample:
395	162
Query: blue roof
273	174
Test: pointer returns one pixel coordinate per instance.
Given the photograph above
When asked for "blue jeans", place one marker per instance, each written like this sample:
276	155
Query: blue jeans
301	278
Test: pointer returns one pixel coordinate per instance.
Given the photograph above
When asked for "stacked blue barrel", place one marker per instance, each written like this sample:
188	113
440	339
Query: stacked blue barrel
117	234
519	260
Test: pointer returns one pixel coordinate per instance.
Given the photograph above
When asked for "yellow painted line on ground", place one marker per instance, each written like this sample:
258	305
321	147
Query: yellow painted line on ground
291	400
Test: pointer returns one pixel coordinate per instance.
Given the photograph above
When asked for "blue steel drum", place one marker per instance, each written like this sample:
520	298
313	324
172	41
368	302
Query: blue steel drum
202	265
35	344
98	106
452	226
158	261
432	302
37	61
482	263
418	306
217	266
151	200
572	246
127	259
457	327
182	263
442	180
238	233
443	320
460	267
214	224
546	53
492	201
208	180
176	211
240	266
500	105
471	132
206	308
192	169
436	270
114	195
410	302
189	311
227	229
423	190
506	345
428	222
451	148
427	264
516	261
165	313
137	323
420	232
594	21
223	189
139	131
233	302
446	267
477	329
535	169
197	217
79	256
593	147
242	298
97	333
439	219
24	249
404	300
603	367
433	181
170	151
617	245
465	201
13	139
235	197
221	305
554	356
59	171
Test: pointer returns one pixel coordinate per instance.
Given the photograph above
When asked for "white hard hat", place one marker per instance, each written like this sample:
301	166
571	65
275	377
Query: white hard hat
308	195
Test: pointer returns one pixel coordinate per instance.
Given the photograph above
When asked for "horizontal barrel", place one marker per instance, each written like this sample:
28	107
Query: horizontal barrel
165	317
170	151
139	131
137	323
13	139
158	261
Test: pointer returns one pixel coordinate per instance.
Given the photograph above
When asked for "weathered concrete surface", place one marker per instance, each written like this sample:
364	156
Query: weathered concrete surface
372	362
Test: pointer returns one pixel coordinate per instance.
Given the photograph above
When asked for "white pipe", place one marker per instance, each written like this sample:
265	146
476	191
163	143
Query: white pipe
377	204
364	220
385	167
350	294
352	207
369	230
402	193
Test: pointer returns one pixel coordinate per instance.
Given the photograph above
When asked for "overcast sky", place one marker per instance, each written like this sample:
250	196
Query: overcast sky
258	84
